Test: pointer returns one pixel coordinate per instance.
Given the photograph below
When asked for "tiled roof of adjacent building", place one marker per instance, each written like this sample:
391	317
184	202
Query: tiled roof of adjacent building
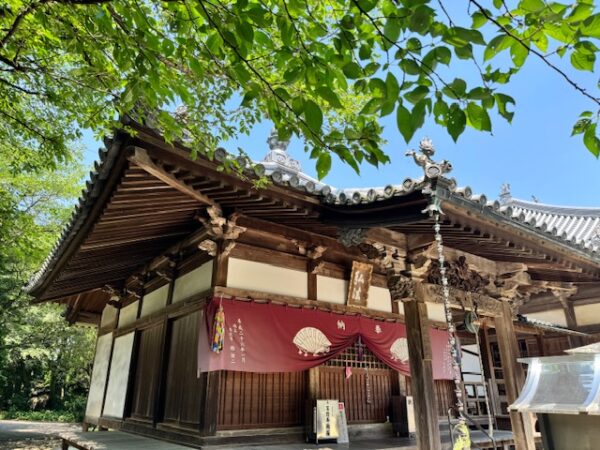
578	225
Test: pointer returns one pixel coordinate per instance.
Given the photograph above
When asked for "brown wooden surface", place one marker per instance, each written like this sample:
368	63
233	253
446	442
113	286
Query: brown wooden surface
261	400
184	391
360	406
422	386
514	378
147	370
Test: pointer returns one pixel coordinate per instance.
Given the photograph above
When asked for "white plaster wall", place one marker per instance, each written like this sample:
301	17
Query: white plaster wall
379	299
435	311
332	290
118	379
109	316
93	409
251	275
155	300
587	314
128	314
400	308
194	282
556	316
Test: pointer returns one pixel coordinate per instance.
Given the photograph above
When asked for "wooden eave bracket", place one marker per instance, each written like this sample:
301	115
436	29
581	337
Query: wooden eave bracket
219	229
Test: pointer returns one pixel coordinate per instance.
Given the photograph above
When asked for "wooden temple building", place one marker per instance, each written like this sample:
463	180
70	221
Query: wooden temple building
321	293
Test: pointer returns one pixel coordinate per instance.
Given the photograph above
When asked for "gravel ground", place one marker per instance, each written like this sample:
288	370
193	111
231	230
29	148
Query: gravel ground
23	435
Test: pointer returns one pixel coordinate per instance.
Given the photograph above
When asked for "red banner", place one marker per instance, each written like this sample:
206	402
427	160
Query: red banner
262	337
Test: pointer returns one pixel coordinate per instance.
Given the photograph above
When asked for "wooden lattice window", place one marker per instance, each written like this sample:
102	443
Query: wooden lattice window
351	358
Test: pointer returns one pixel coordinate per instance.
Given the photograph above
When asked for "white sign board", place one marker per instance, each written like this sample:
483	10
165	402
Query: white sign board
343	425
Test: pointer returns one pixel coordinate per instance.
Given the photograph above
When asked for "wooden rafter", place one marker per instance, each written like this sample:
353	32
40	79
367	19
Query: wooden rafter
141	158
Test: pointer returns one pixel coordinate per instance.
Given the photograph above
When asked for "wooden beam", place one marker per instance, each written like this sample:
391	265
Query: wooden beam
421	371
459	299
74	310
514	377
141	158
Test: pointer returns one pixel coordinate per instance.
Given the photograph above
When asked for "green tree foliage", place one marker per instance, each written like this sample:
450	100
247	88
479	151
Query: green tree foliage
322	70
43	361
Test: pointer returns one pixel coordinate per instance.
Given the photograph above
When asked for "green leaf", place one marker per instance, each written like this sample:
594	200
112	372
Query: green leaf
532	5
518	53
404	122
465	52
456	121
313	115
591	26
541	41
580	126
246	32
410	66
328	95
323	164
456	89
352	70
443	55
421	19
479	19
581	12
478	117
503	100
417	94
391	30
496	45
591	141
583	60
392	87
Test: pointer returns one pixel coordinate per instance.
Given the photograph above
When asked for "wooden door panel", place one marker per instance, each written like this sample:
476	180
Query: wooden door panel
184	391
261	400
361	406
147	372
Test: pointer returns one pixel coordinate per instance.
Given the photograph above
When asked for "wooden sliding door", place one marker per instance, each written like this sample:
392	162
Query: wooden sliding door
184	391
261	400
147	373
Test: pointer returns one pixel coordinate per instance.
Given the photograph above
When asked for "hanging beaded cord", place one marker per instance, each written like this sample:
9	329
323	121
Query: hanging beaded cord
464	441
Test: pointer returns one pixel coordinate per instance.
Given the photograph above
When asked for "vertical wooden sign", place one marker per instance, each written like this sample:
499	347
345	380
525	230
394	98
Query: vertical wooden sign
360	281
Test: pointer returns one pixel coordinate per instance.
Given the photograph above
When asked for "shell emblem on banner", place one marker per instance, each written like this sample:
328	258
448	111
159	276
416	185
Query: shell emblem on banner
399	350
311	340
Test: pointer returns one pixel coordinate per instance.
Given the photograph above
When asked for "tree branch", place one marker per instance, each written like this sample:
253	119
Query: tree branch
535	52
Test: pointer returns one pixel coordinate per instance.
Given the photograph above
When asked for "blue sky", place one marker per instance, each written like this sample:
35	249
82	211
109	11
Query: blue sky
535	154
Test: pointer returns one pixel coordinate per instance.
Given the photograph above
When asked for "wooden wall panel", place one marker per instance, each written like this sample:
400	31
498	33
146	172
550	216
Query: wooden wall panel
184	391
147	371
261	400
444	394
360	407
556	346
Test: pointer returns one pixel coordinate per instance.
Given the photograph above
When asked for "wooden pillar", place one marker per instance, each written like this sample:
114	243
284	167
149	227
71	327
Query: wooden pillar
569	308
421	371
208	426
540	343
211	403
514	377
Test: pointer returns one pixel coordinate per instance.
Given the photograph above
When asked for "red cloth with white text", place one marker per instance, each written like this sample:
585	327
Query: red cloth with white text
262	337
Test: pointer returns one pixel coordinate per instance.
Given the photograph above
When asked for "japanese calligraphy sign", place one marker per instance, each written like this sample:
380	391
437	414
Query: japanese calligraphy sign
360	281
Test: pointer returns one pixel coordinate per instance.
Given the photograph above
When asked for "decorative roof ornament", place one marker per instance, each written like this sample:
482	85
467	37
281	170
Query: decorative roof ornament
594	240
505	196
278	153
432	169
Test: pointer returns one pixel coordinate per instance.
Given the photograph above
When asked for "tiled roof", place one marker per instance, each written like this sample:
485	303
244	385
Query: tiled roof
580	226
575	227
